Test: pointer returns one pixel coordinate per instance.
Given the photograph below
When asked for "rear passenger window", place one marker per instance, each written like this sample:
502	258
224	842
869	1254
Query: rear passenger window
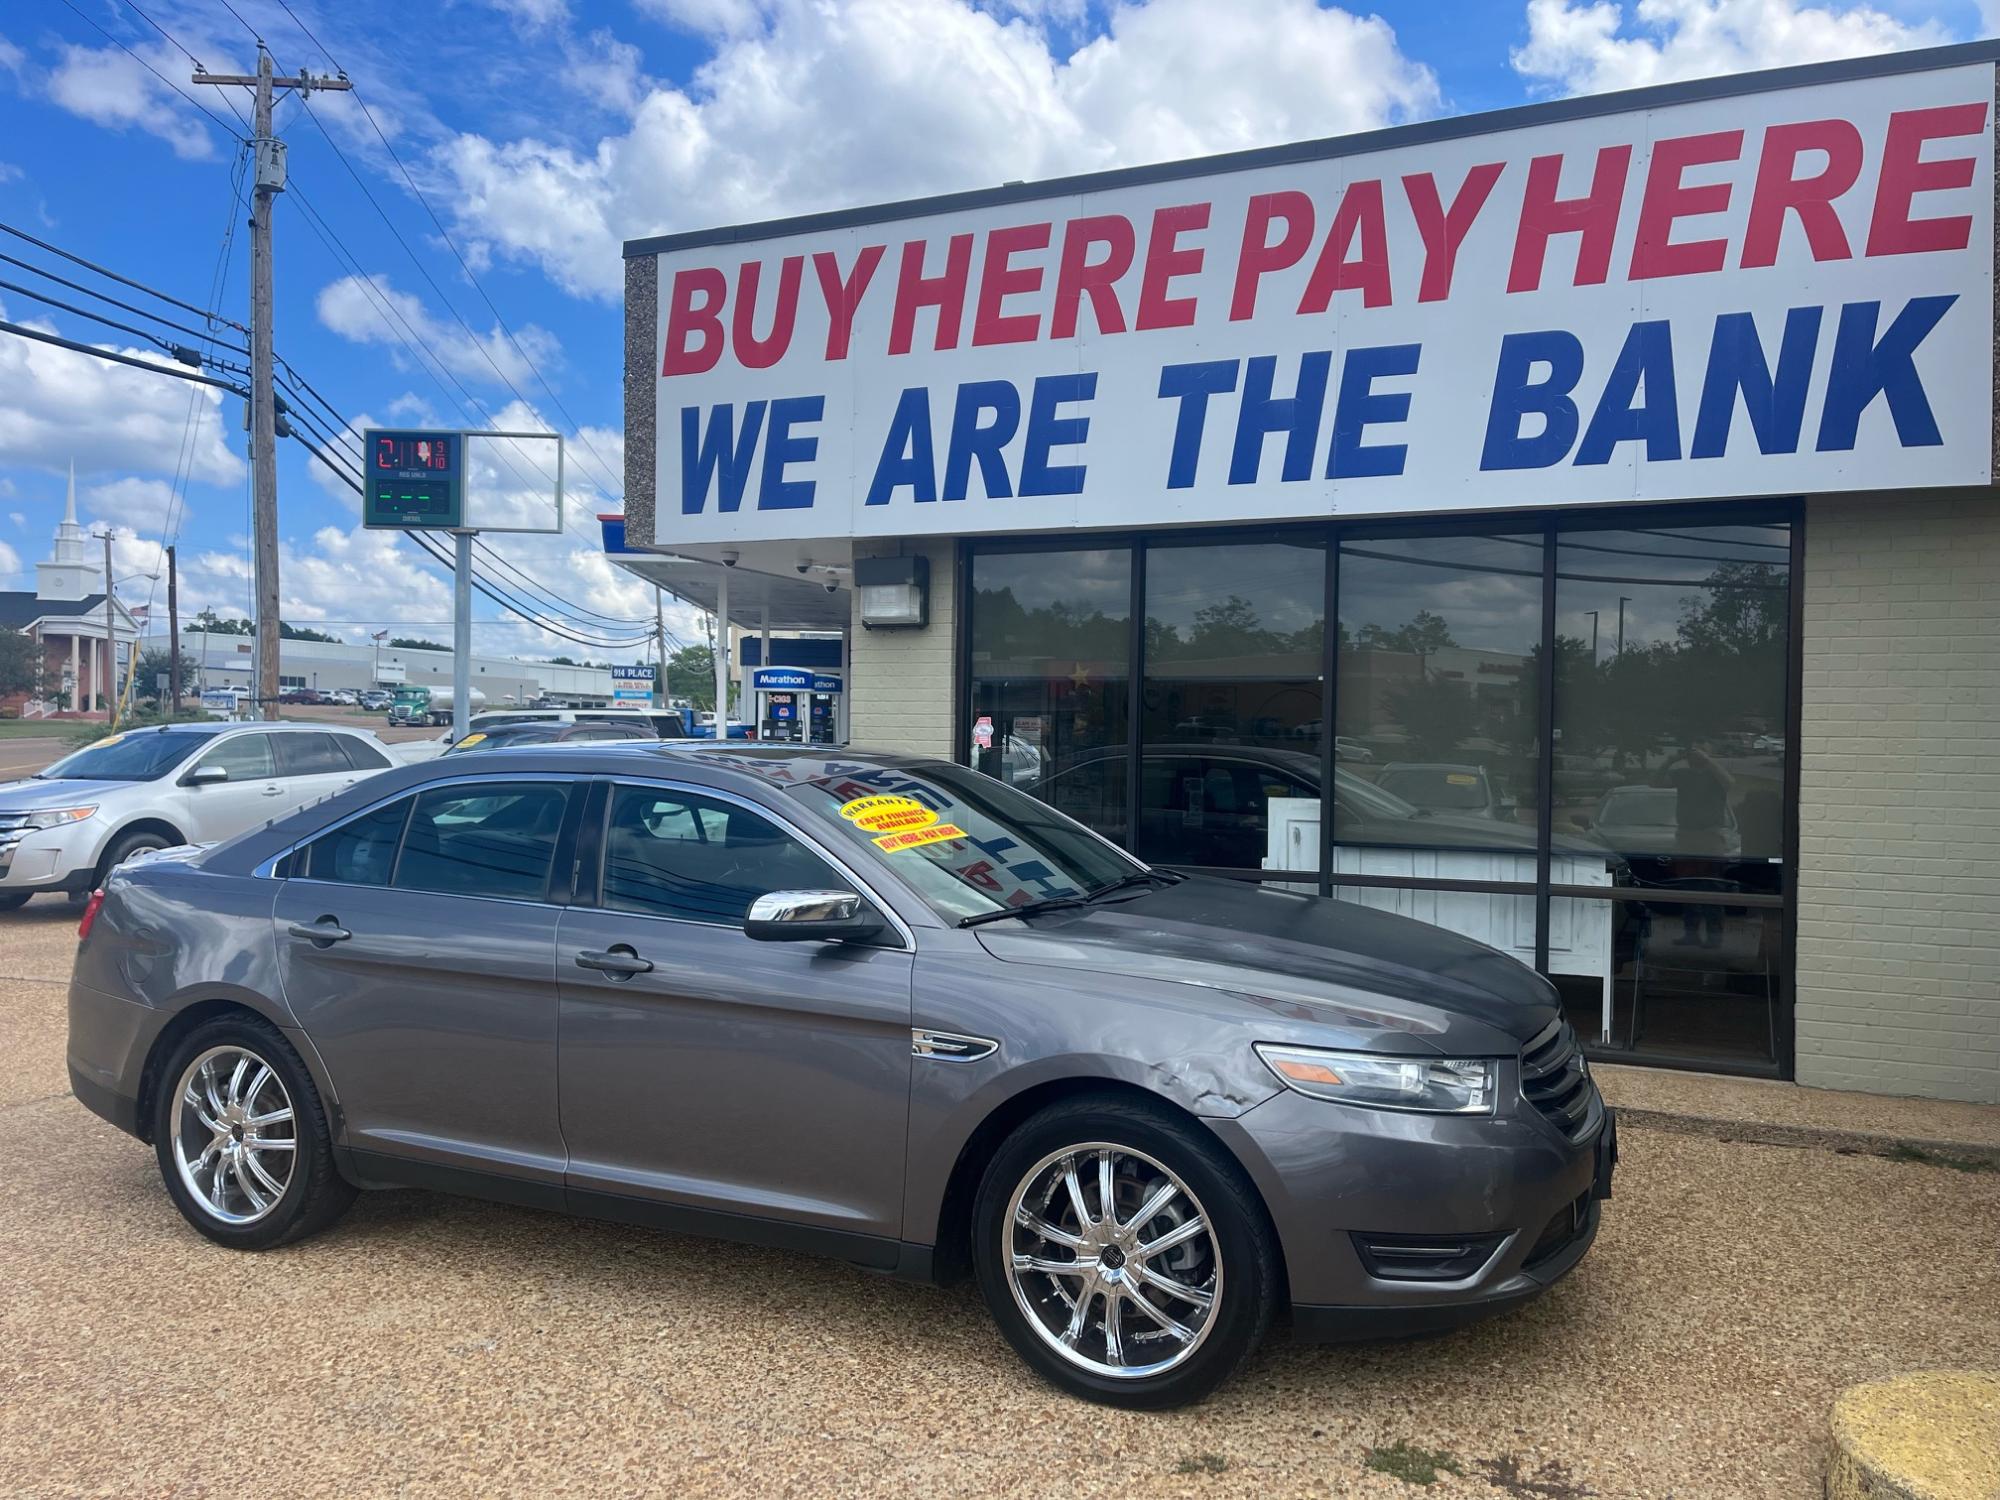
362	852
310	755
677	854
496	840
361	756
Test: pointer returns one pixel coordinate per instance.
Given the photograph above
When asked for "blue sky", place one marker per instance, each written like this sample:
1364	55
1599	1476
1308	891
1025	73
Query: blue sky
543	132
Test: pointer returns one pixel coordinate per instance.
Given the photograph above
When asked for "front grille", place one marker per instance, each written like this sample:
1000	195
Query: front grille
1554	1080
1425	1257
10	822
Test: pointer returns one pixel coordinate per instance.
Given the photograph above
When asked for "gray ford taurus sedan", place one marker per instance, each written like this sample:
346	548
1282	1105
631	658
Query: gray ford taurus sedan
874	1006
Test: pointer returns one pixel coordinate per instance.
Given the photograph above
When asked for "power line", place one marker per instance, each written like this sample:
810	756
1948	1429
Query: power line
151	69
75	259
106	297
122	359
180	352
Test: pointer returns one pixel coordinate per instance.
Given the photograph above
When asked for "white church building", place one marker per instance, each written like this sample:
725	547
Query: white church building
81	668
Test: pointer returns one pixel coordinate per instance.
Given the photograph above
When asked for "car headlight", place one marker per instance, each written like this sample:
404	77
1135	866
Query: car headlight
1431	1085
56	817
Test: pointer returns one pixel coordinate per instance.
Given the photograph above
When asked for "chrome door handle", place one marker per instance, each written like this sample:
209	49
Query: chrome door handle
619	962
321	933
273	791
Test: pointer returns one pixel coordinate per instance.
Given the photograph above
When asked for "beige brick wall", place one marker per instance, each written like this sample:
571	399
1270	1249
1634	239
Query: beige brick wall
901	679
1899	797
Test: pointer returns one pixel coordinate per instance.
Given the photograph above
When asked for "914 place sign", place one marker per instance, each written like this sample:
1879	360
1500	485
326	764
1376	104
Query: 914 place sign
415	480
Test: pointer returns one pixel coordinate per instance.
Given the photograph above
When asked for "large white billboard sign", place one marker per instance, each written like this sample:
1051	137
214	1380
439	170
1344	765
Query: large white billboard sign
1769	293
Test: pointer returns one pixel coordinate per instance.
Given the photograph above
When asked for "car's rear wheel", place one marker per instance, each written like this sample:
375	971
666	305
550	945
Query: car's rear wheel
139	841
1124	1256
242	1137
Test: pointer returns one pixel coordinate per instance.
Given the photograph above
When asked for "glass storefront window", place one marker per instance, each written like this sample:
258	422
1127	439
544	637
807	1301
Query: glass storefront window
1696	983
1232	702
1437	706
1671	651
1051	643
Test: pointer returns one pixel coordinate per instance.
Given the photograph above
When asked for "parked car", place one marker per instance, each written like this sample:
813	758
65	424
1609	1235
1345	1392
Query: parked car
375	700
1640	819
65	827
1464	790
299	695
342	697
541	732
881	1007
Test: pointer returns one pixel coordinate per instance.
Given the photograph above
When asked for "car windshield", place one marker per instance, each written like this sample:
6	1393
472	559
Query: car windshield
1638	804
965	842
126	757
1447	788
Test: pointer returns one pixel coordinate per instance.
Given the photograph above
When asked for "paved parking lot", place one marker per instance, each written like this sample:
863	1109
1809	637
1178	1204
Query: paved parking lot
433	1346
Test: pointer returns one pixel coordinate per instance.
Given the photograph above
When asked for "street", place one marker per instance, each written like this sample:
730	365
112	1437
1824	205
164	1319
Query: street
433	1345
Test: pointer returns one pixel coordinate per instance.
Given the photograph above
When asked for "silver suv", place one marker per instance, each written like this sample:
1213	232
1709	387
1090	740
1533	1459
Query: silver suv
62	829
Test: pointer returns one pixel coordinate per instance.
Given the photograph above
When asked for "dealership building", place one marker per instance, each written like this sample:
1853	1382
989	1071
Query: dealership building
219	660
1572	526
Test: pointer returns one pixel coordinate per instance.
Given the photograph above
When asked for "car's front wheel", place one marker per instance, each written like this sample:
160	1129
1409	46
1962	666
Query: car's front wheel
242	1137
1124	1255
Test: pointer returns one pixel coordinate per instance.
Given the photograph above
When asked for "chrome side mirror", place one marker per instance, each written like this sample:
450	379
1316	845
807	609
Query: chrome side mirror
810	916
205	776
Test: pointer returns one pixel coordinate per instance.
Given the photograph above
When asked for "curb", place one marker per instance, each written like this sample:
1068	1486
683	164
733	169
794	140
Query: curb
1932	1435
1963	1156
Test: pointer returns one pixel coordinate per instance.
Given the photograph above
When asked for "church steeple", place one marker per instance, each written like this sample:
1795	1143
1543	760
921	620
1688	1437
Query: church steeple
67	572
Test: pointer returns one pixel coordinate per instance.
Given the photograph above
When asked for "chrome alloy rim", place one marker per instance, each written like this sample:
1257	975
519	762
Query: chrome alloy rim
234	1137
1112	1260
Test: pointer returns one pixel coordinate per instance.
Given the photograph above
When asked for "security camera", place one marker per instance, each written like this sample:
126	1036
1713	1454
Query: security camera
832	585
729	559
803	565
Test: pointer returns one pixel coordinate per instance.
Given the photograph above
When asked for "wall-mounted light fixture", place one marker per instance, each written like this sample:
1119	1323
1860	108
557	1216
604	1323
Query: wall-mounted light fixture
895	591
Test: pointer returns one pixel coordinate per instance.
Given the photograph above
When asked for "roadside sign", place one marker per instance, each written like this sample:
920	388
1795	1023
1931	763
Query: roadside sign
414	481
632	684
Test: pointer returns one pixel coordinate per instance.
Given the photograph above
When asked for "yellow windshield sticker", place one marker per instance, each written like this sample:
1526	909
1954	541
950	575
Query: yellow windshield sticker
888	814
916	838
1459	778
470	739
109	739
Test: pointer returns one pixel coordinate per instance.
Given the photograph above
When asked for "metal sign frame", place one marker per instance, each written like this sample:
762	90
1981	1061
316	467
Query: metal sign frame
456	477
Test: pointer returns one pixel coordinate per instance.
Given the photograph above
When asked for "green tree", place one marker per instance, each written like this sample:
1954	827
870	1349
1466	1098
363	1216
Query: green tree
303	633
213	624
1437	713
157	662
415	643
20	662
691	675
1425	633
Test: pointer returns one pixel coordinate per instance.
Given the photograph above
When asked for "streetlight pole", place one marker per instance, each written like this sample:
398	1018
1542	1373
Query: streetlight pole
1593	635
1623	600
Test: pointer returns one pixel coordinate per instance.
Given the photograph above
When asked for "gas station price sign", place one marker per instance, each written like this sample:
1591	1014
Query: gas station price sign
414	480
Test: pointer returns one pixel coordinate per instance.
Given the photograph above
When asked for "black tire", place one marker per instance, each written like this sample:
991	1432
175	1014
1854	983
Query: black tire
1243	1240
14	900
314	1193
138	841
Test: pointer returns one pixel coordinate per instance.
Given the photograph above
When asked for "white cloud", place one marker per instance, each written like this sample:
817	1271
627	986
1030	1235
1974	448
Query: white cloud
10	561
12	58
1579	48
56	405
144	504
111	88
533	14
810	106
374	312
707	17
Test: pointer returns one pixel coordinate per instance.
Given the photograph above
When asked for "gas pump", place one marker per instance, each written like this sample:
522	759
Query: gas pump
795	705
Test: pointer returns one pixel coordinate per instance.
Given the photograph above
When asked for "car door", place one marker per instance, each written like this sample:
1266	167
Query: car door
416	944
727	1075
249	793
311	765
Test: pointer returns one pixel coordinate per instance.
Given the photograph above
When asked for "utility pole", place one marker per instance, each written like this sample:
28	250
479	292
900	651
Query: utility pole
660	643
268	153
173	633
110	641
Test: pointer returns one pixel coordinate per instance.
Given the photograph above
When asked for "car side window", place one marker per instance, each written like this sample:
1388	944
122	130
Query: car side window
361	756
246	757
362	852
310	755
488	840
680	854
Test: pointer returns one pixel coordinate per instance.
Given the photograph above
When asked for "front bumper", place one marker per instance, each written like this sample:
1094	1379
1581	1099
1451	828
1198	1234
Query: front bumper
1332	1176
49	859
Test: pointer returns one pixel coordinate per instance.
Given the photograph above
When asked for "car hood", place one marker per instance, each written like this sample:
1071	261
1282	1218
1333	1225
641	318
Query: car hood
29	795
1303	967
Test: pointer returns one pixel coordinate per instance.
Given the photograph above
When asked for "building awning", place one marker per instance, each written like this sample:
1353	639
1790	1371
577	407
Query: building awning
763	575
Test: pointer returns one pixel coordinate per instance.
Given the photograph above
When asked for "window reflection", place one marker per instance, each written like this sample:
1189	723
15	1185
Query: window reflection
1232	702
1438	672
1670	697
1051	673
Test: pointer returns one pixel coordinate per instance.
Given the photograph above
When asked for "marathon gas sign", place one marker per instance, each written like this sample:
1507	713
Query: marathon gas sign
1778	292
